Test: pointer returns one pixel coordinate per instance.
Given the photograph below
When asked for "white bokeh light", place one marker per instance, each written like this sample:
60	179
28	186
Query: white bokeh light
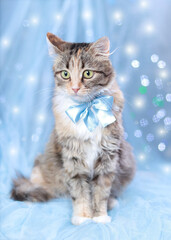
155	119
135	63
161	147
145	81
154	58
161	113
161	64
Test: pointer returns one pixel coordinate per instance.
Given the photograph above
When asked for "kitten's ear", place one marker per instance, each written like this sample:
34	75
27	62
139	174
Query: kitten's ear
55	44
101	46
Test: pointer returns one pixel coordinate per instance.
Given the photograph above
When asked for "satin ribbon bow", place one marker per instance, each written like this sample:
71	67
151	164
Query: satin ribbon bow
98	110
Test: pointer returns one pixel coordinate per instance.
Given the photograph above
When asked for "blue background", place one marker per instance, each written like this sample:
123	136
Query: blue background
140	33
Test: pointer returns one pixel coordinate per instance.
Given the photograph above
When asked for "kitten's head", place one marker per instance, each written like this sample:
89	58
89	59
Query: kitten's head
81	70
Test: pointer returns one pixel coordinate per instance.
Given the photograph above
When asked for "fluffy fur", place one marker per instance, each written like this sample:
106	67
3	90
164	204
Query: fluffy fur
91	167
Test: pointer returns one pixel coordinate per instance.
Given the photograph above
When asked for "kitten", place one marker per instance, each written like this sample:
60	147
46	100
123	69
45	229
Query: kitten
90	166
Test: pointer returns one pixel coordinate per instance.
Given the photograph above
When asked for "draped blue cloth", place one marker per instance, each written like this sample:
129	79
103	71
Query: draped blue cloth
141	32
99	110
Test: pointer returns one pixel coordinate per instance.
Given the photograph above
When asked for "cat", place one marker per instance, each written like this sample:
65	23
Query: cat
90	166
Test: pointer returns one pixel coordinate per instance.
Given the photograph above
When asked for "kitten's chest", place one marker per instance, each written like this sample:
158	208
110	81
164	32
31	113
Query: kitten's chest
90	141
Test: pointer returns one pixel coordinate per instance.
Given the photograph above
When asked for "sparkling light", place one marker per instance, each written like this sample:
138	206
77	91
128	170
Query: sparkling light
35	20
118	16
163	74
87	15
161	64
168	97
161	131
31	79
145	81
130	49
154	58
138	133
13	151
122	78
150	137
135	63
143	4
139	102
5	42
161	147
166	169
148	28
58	16
141	157
41	117
16	110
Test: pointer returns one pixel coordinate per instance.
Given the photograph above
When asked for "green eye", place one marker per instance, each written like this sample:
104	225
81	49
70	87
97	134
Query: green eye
88	74
65	74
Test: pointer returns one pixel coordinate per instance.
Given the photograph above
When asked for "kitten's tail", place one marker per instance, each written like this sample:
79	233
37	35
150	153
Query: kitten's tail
24	190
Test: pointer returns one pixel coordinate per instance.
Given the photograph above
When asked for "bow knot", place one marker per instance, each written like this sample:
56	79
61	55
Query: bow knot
93	112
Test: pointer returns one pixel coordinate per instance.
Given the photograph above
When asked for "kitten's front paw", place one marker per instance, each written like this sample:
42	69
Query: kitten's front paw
76	220
102	219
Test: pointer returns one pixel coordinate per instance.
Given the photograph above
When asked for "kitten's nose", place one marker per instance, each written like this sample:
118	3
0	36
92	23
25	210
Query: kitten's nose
75	89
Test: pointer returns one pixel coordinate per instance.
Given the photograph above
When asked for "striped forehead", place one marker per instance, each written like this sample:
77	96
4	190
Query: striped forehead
76	60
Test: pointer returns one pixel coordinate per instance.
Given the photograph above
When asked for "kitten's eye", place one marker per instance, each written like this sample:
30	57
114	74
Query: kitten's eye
88	74
65	74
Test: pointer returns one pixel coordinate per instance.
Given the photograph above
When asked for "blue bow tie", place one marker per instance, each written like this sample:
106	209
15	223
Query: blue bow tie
98	110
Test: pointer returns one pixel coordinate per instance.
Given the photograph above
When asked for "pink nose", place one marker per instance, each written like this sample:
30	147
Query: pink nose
75	89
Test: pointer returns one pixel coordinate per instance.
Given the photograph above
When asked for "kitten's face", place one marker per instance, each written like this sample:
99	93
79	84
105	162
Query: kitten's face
81	70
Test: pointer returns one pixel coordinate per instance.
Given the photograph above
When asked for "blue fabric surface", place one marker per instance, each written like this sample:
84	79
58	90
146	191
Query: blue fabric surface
141	31
143	213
